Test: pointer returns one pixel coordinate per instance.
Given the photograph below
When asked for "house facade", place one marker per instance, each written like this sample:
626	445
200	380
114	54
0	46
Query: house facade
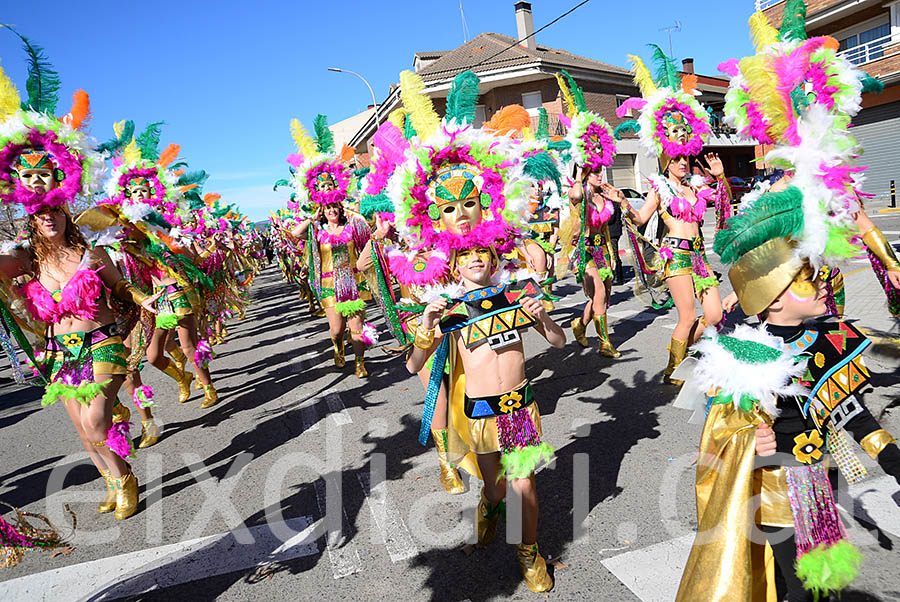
868	34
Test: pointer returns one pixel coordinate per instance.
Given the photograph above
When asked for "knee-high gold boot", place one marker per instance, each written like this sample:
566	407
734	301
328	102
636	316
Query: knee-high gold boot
534	568
149	433
210	396
338	343
578	330
606	347
451	481
486	516
178	357
126	494
182	378
109	502
121	413
677	353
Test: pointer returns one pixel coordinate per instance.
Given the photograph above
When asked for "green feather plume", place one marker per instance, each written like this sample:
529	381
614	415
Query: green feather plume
43	81
829	569
559	145
626	126
189	178
148	141
793	23
462	98
772	215
870	84
408	130
280	183
541	166
666	72
324	137
166	321
156	219
577	92
543	128
114	145
520	463
370	204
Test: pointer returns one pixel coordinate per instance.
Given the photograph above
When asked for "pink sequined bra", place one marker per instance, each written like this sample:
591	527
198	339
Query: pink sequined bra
77	299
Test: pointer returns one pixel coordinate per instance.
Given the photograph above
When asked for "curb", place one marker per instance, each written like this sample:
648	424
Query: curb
890	210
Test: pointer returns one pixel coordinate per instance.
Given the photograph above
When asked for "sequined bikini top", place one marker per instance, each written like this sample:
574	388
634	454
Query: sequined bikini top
78	298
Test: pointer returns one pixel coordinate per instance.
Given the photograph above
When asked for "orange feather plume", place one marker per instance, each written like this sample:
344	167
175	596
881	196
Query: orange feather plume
689	83
81	110
508	121
178	172
210	198
168	155
347	153
831	43
184	189
170	243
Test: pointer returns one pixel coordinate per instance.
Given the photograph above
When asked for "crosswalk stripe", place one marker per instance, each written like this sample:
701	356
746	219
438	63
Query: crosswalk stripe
396	536
309	415
339	413
344	556
165	566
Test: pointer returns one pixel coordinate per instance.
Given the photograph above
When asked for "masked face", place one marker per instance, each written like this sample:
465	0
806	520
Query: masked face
324	183
676	128
459	217
38	180
138	190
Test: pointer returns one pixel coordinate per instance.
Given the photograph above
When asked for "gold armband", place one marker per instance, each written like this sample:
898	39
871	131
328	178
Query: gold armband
126	291
424	339
881	249
876	441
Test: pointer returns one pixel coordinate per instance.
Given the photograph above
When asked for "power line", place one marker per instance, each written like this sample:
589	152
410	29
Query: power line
531	35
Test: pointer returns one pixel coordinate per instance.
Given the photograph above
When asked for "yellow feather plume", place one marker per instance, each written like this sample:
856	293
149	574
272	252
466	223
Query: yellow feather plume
421	110
642	76
567	95
118	128
761	32
131	152
306	146
9	97
398	118
760	79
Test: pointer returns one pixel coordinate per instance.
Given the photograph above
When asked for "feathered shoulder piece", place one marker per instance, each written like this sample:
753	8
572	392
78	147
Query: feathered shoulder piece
31	136
589	136
671	122
748	368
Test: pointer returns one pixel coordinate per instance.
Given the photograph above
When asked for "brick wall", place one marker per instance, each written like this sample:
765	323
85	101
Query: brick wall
883	66
775	13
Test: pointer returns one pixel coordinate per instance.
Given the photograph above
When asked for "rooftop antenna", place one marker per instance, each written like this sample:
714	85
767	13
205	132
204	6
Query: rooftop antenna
465	27
669	29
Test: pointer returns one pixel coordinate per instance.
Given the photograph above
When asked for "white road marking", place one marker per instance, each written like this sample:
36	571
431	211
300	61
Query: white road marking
310	417
396	536
344	556
138	572
339	413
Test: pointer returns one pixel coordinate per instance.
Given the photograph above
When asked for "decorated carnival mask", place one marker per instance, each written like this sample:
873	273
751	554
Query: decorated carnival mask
325	182
138	189
36	170
455	192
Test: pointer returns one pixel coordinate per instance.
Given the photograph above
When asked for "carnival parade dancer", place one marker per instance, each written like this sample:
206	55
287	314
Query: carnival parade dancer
673	126
44	163
586	235
791	388
463	193
334	237
149	196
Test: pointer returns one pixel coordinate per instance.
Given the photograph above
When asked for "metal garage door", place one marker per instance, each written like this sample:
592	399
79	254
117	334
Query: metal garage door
621	173
878	132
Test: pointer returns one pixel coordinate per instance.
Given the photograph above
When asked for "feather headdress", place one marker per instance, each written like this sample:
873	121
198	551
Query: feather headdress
589	135
317	161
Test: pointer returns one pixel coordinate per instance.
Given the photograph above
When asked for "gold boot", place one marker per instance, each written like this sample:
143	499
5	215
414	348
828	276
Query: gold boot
578	331
677	353
149	433
179	358
210	396
361	371
606	347
486	516
450	479
534	568
338	343
120	412
126	495
182	378
109	502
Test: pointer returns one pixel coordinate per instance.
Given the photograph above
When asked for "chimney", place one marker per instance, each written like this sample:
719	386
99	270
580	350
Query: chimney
525	25
687	65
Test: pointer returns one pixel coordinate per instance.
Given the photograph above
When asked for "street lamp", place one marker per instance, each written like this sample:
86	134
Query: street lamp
374	102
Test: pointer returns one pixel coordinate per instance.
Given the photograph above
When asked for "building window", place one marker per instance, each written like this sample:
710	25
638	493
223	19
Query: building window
865	46
620	100
479	116
532	101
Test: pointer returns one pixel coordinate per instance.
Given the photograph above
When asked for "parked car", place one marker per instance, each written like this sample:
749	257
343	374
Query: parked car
739	187
634	197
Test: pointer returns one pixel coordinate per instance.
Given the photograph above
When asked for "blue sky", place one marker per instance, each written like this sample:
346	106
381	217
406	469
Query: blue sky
227	77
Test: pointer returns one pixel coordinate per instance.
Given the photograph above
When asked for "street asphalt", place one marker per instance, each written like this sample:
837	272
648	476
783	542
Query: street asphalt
306	483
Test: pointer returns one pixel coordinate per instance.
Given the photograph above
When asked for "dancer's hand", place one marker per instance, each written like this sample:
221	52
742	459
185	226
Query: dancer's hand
382	228
894	278
714	165
433	313
533	307
149	302
765	440
730	302
612	193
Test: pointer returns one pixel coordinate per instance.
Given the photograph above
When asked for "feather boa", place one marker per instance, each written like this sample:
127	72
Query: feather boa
416	271
143	397
369	335
79	298
335	240
203	354
118	440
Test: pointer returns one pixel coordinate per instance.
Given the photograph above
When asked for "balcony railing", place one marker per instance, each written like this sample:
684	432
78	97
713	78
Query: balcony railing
764	4
868	52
